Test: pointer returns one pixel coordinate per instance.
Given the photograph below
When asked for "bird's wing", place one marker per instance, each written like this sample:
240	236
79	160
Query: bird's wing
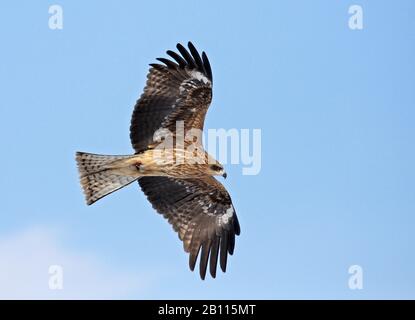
201	211
175	91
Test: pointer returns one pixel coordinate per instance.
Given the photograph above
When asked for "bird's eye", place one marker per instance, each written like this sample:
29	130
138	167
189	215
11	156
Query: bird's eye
215	167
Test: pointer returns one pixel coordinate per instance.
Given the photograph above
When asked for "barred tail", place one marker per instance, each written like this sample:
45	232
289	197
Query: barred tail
99	177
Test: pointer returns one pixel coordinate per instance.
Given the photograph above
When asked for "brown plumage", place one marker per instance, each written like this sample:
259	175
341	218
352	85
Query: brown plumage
176	97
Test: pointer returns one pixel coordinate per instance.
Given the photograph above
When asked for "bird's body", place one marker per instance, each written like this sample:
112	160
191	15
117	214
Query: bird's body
150	163
170	164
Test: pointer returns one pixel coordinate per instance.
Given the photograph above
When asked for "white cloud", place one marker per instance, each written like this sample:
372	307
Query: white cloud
25	258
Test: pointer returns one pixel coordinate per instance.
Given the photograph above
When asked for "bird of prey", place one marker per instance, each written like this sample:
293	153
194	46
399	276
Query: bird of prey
177	178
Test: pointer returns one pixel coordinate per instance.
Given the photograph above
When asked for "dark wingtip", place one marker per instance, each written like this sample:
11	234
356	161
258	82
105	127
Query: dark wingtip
186	55
214	256
193	258
182	63
156	65
207	66
168	63
237	227
224	250
196	57
192	59
204	258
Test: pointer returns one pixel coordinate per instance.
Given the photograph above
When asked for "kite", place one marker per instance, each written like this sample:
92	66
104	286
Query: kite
177	175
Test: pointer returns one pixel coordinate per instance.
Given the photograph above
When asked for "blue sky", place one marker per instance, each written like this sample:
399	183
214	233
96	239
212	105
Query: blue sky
336	108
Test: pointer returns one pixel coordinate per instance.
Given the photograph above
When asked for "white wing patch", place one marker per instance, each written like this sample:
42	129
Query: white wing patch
199	76
224	219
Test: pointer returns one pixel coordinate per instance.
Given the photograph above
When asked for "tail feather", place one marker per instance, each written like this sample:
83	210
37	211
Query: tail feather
98	177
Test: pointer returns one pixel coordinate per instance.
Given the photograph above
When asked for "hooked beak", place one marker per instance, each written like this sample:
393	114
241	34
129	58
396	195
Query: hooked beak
224	175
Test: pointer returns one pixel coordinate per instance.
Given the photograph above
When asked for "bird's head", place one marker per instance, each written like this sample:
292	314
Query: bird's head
217	169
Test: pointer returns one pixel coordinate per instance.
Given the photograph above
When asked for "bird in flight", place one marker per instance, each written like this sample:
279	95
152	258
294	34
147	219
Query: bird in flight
170	164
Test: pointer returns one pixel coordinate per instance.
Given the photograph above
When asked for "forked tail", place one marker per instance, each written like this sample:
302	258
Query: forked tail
100	175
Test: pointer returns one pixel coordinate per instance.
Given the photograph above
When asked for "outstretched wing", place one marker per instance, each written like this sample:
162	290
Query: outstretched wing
175	91
201	211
